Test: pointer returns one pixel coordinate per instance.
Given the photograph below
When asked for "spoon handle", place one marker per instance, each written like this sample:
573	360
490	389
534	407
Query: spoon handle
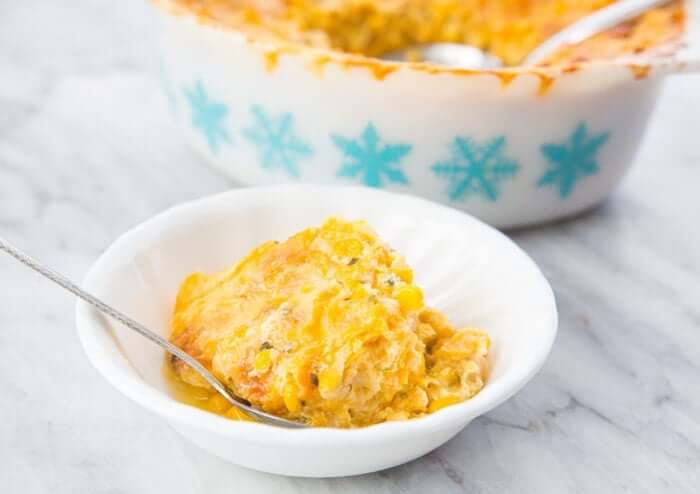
592	24
64	282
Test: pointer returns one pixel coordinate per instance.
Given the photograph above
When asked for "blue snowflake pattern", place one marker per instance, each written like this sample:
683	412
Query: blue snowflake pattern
208	116
572	160
370	160
277	144
476	169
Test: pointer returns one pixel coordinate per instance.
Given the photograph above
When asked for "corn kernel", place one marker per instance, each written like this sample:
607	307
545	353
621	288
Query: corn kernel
410	297
291	398
210	349
349	248
328	380
263	360
404	272
250	15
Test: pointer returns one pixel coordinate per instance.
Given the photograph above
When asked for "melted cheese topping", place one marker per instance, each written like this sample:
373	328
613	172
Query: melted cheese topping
327	328
509	29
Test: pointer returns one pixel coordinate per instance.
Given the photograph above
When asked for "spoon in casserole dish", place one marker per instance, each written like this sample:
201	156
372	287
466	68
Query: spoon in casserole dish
471	57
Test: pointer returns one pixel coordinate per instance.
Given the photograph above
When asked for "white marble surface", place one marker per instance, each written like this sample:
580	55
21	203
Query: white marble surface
87	150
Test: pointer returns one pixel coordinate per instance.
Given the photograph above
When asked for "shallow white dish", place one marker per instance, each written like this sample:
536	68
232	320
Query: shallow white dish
475	274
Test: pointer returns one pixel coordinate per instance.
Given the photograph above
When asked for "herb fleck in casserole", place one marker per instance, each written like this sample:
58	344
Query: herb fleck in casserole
326	328
509	29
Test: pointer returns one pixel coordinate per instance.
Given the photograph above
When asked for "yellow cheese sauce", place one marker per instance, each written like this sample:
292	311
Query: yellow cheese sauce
200	397
326	328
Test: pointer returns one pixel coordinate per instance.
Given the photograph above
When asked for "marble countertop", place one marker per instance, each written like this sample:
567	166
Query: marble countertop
87	150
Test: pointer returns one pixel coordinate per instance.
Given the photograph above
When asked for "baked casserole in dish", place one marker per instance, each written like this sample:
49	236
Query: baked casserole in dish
469	272
277	91
326	328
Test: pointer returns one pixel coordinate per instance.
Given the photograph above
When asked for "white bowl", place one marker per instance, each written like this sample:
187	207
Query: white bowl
499	132
475	274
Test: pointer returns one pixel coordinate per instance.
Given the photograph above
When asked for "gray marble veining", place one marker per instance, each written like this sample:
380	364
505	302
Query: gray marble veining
87	150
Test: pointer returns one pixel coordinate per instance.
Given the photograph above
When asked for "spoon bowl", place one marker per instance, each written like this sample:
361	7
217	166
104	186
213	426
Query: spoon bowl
451	54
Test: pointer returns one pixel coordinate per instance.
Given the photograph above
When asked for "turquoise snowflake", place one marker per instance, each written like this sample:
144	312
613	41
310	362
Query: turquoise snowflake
207	116
277	144
476	169
374	162
572	160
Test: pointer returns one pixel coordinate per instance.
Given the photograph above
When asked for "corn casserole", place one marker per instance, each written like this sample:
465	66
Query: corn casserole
509	29
326	328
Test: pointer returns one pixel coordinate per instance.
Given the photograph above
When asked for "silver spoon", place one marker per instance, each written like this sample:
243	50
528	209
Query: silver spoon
470	57
159	340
